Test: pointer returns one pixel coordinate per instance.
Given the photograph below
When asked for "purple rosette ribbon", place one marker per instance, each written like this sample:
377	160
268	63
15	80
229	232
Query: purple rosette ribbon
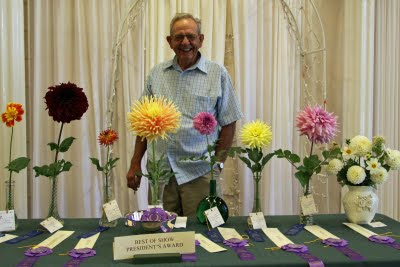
384	240
342	246
238	246
79	255
153	215
302	252
33	254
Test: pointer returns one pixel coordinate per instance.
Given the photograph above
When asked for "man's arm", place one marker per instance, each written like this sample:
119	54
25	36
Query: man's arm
133	179
225	140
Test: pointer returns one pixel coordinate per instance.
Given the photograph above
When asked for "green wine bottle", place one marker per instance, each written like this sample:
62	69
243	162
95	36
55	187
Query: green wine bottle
212	201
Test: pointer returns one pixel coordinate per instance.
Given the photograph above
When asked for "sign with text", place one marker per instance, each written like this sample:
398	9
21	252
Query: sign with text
126	247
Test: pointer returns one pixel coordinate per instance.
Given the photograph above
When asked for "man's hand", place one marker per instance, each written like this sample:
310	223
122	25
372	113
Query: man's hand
133	178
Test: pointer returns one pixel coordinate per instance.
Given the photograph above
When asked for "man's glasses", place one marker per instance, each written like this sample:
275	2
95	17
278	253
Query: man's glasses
180	37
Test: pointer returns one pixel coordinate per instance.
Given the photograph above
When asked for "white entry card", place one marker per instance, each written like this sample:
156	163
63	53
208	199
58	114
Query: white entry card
87	242
214	217
258	220
7	221
112	210
377	224
319	232
308	205
7	237
180	222
359	229
276	236
51	224
208	245
55	239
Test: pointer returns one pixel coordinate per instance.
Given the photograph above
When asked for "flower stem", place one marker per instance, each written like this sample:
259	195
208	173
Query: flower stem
9	202
211	161
54	178
107	173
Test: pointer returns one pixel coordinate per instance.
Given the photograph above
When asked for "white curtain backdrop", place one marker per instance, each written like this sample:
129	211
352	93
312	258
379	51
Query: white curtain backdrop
12	88
73	41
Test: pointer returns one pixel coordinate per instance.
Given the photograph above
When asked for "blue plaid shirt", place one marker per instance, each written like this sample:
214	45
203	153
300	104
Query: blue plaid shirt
204	87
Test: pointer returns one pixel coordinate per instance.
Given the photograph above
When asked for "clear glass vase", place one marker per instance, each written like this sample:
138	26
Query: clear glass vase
256	200
157	192
53	208
212	201
108	195
306	219
10	188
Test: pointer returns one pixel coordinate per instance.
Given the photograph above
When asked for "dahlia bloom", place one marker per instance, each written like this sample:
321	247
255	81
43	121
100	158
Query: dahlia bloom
256	134
107	137
334	166
14	112
360	145
379	176
153	117
393	158
205	123
356	174
66	102
317	124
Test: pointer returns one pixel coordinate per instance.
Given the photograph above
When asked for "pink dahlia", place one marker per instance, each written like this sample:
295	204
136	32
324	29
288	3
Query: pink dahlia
319	125
204	123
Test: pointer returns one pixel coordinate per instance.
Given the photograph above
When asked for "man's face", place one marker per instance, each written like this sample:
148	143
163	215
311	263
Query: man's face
185	41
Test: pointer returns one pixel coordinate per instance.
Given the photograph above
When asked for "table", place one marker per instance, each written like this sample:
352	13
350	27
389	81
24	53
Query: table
376	254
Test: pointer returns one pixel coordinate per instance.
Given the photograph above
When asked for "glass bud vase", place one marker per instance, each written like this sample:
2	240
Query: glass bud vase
10	188
53	208
306	219
108	195
157	192
212	201
256	201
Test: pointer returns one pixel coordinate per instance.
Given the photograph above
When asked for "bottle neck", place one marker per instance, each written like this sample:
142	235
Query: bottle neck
213	188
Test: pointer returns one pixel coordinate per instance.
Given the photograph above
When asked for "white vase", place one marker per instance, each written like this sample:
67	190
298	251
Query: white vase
360	204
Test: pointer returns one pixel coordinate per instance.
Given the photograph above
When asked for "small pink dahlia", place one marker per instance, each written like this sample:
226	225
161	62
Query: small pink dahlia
204	123
317	124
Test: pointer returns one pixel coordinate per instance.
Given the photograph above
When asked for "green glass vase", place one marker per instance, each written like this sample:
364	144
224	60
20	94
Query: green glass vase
212	201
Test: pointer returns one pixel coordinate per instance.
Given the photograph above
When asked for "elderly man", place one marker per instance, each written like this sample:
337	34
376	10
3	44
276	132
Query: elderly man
195	85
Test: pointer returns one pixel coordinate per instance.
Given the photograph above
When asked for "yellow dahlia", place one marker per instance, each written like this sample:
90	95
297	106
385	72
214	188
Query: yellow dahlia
256	134
153	117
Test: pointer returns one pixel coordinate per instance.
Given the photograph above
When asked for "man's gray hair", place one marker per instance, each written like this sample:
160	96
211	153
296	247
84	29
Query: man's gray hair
180	16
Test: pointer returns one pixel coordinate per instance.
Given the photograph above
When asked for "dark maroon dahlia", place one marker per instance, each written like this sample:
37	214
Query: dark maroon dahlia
66	102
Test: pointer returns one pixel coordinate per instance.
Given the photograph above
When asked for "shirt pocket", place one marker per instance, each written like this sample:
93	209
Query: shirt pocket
198	103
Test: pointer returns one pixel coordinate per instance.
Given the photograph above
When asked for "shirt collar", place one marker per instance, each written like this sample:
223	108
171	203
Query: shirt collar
200	64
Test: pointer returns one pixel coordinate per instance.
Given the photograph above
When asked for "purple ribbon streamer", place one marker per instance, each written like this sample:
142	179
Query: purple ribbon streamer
295	229
302	252
342	246
32	255
384	240
190	257
95	231
214	236
24	237
255	235
244	254
235	242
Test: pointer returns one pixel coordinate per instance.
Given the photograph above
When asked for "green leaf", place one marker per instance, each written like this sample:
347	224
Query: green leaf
233	151
112	163
266	159
66	166
246	161
43	170
64	146
53	146
294	158
279	153
287	153
255	155
97	163
256	168
18	164
302	177
326	154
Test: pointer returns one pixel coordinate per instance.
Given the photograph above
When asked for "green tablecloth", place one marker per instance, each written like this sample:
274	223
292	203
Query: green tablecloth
376	254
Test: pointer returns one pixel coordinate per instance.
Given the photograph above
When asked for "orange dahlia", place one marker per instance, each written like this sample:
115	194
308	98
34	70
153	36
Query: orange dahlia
14	112
107	137
153	117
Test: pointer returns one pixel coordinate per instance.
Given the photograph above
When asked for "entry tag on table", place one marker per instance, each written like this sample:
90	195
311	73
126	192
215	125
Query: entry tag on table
308	205
359	229
180	222
208	245
87	242
276	236
7	237
377	224
214	217
55	239
7	220
112	210
228	233
258	220
51	224
320	232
